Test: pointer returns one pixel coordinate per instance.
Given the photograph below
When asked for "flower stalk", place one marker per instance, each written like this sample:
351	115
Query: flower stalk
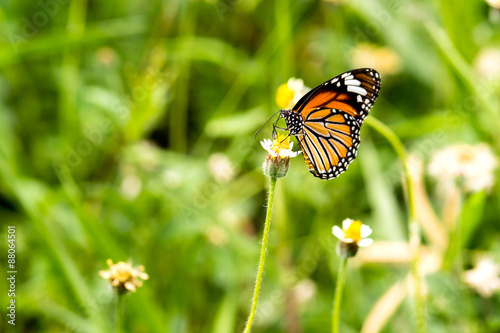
413	226
275	166
120	309
352	236
263	251
123	279
339	288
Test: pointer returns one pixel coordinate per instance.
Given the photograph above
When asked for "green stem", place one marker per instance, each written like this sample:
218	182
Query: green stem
413	225
119	313
339	288
263	251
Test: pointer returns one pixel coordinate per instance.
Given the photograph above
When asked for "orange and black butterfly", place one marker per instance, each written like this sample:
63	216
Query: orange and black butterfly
327	120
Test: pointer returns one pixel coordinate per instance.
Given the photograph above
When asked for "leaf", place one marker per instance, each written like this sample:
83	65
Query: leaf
472	214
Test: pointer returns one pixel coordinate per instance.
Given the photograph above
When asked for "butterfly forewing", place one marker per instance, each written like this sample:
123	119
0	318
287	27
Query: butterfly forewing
353	92
332	115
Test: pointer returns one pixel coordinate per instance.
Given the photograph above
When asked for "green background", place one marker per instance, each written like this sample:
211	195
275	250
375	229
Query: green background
117	117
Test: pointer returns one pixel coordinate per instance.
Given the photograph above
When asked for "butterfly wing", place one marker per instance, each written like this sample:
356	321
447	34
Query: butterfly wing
332	115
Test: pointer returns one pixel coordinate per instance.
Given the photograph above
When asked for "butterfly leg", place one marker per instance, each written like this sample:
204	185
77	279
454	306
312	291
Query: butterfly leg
285	137
274	130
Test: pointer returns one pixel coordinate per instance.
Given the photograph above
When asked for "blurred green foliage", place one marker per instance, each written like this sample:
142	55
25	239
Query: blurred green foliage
126	132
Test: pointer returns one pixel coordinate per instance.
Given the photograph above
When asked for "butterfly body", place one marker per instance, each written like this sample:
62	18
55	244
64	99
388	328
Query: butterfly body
327	120
294	122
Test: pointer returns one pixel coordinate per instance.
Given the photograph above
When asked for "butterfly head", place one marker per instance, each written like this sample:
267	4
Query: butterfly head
294	121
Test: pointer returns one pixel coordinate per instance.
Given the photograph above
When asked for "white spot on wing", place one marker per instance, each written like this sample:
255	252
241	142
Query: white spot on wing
345	74
358	90
352	82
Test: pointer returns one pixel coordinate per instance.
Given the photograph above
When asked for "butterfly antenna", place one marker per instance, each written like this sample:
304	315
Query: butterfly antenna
273	133
255	136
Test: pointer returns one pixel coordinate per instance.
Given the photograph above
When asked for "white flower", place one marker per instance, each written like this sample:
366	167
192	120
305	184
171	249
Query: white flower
494	3
123	277
281	147
353	232
472	164
278	159
484	277
304	291
487	62
290	93
131	185
220	167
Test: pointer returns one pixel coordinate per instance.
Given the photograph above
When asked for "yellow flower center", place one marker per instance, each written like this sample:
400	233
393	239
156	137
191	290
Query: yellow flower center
284	96
122	271
467	155
354	231
282	142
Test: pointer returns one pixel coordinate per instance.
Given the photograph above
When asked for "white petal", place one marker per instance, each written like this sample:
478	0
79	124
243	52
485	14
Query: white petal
365	231
285	153
266	144
291	145
346	223
365	242
337	232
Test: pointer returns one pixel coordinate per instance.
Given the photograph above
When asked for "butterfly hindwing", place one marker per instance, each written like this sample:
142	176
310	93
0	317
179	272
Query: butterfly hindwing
329	144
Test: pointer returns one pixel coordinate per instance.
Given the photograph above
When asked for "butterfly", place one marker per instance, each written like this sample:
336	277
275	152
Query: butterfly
326	121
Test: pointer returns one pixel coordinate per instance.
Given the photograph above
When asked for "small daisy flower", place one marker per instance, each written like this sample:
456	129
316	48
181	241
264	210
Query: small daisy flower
484	278
123	277
352	235
353	232
289	93
280	152
281	147
472	165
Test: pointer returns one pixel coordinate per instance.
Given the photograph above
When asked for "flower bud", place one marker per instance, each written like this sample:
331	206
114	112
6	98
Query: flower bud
276	167
347	250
